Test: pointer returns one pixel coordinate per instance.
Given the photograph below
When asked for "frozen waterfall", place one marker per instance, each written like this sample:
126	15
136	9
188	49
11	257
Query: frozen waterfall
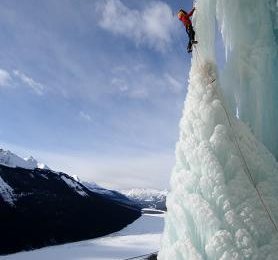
250	80
223	202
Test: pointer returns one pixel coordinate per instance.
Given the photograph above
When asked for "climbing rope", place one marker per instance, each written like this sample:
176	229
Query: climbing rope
237	145
245	165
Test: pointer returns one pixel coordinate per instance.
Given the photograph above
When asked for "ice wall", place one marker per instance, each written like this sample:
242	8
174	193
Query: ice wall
224	186
250	78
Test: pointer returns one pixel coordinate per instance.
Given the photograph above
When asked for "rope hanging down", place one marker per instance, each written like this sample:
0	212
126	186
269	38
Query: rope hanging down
237	145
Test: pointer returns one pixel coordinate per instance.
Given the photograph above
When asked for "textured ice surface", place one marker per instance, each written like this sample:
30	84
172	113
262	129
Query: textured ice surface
224	186
250	34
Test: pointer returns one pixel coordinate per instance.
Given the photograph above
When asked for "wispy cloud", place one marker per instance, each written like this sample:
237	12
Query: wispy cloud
5	78
152	26
87	78
125	80
141	82
85	116
127	88
175	85
149	170
120	84
37	87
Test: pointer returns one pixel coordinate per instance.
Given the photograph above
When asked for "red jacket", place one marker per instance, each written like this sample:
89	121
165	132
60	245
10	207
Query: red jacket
185	18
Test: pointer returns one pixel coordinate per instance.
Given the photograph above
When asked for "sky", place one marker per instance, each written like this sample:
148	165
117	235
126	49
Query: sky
94	88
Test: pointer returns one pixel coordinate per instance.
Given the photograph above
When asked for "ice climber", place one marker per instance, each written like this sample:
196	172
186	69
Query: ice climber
185	18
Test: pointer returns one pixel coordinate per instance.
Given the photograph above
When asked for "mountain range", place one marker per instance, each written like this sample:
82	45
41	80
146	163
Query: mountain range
40	207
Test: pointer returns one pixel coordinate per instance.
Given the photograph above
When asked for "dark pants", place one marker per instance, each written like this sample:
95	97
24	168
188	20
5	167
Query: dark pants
191	35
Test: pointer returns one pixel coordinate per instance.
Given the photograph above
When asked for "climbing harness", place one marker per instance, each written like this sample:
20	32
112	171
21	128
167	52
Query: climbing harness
178	49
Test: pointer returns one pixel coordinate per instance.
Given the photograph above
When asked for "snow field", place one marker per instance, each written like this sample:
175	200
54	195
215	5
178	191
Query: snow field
139	238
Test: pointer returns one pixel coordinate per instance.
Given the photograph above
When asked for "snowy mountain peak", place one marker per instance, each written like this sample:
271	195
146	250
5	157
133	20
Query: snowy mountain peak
10	159
76	178
145	192
147	198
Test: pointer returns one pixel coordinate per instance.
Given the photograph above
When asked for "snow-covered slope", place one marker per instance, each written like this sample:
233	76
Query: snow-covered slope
147	198
223	202
40	207
111	194
142	198
6	192
10	159
140	238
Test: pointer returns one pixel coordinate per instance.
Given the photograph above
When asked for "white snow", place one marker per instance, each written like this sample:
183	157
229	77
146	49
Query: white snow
145	194
10	159
6	192
223	202
139	238
74	185
42	166
151	198
92	186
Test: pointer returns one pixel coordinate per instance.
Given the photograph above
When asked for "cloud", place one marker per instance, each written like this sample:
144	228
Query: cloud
5	78
149	170
85	116
120	84
142	82
152	26
115	172
175	85
127	88
37	87
139	93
